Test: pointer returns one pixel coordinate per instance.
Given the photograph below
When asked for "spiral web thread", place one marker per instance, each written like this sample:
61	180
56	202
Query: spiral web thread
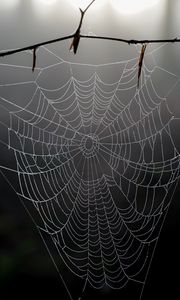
92	161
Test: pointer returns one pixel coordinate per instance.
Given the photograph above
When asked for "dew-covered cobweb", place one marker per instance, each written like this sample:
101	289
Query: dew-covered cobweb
93	159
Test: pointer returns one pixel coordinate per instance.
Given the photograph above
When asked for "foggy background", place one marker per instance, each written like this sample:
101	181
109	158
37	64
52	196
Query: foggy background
24	261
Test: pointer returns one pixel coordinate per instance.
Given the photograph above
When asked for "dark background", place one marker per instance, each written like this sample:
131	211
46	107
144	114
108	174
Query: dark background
26	270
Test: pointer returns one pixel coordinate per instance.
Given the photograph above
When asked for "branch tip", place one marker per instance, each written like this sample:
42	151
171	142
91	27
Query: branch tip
89	6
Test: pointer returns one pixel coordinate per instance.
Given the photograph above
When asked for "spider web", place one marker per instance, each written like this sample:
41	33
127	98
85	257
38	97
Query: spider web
91	162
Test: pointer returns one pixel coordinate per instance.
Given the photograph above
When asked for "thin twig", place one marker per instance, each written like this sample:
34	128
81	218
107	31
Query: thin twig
76	39
89	6
131	41
127	41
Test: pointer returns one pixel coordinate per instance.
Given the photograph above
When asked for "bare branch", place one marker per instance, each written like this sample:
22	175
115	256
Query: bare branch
129	42
31	47
76	39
